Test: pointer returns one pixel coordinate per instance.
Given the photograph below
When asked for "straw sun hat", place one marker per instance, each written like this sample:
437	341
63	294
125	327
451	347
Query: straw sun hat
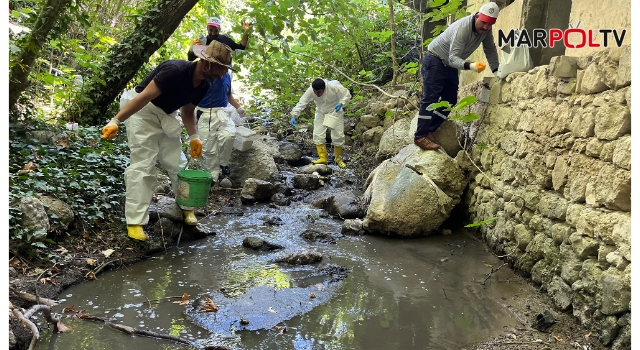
215	52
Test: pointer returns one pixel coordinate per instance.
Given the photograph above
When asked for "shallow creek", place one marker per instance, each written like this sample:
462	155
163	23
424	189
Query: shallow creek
425	293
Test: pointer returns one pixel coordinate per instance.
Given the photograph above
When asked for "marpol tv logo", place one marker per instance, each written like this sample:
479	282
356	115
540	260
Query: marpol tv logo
572	38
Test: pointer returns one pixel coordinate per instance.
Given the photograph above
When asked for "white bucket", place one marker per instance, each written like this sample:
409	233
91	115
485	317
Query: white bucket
331	120
244	138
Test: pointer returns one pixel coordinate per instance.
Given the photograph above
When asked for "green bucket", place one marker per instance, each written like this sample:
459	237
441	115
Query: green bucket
193	187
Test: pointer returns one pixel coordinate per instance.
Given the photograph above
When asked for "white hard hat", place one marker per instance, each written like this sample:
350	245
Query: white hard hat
214	21
489	12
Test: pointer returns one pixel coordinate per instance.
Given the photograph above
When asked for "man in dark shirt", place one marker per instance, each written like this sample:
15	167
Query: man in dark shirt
213	33
153	131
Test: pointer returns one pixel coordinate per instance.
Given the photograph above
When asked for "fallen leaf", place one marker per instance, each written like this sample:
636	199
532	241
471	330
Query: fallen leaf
209	305
47	279
15	262
36	272
280	329
10	305
85	234
81	314
91	262
319	286
488	265
62	328
272	310
107	253
69	308
184	300
558	339
29	167
90	275
586	336
54	269
62	250
62	143
311	295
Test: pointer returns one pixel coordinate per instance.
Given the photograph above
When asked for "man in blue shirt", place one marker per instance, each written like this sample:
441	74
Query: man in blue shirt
216	126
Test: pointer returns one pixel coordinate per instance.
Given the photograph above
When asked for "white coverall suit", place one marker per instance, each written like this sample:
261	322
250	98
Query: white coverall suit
153	135
334	93
217	129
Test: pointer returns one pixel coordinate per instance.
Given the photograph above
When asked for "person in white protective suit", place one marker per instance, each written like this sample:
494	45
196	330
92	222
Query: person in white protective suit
330	97
217	127
153	131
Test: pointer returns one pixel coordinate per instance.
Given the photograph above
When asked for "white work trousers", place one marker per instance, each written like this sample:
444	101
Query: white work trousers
217	131
320	131
153	135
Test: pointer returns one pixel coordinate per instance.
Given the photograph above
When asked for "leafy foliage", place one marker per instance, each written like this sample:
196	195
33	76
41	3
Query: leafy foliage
483	222
79	169
464	103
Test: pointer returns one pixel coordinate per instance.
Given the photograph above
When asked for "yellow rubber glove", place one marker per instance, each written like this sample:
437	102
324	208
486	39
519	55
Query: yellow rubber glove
197	42
196	146
110	131
477	67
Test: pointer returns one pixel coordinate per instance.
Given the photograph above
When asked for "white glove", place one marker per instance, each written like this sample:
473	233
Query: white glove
242	113
477	67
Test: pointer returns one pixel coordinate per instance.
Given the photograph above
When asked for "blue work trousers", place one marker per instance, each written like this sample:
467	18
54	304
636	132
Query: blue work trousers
439	82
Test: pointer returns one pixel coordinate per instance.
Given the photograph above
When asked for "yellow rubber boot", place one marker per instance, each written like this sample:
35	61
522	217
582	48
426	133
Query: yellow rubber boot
322	153
190	217
136	232
337	152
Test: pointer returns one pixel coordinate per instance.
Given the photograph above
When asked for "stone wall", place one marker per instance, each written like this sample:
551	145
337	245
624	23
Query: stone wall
555	163
589	13
548	14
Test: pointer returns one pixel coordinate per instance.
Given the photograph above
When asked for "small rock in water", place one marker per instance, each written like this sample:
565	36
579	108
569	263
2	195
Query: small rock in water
543	321
303	258
225	183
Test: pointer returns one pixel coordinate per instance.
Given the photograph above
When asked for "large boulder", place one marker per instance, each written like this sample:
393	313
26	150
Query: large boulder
260	190
395	138
166	207
449	135
413	193
346	206
60	209
257	163
290	152
34	217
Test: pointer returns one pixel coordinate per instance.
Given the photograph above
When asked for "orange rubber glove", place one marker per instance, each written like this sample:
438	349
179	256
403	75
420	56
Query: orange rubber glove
110	131
196	146
197	42
477	67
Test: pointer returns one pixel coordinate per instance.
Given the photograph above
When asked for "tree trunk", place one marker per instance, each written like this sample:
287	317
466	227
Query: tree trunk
124	60
393	43
19	73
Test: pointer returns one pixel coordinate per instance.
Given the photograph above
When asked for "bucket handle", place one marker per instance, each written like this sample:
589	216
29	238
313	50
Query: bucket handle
188	160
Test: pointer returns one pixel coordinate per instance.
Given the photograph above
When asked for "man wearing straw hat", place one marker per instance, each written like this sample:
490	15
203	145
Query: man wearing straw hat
330	97
153	132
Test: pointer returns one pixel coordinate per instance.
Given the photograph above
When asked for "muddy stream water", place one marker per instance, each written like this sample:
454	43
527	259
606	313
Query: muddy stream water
425	293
